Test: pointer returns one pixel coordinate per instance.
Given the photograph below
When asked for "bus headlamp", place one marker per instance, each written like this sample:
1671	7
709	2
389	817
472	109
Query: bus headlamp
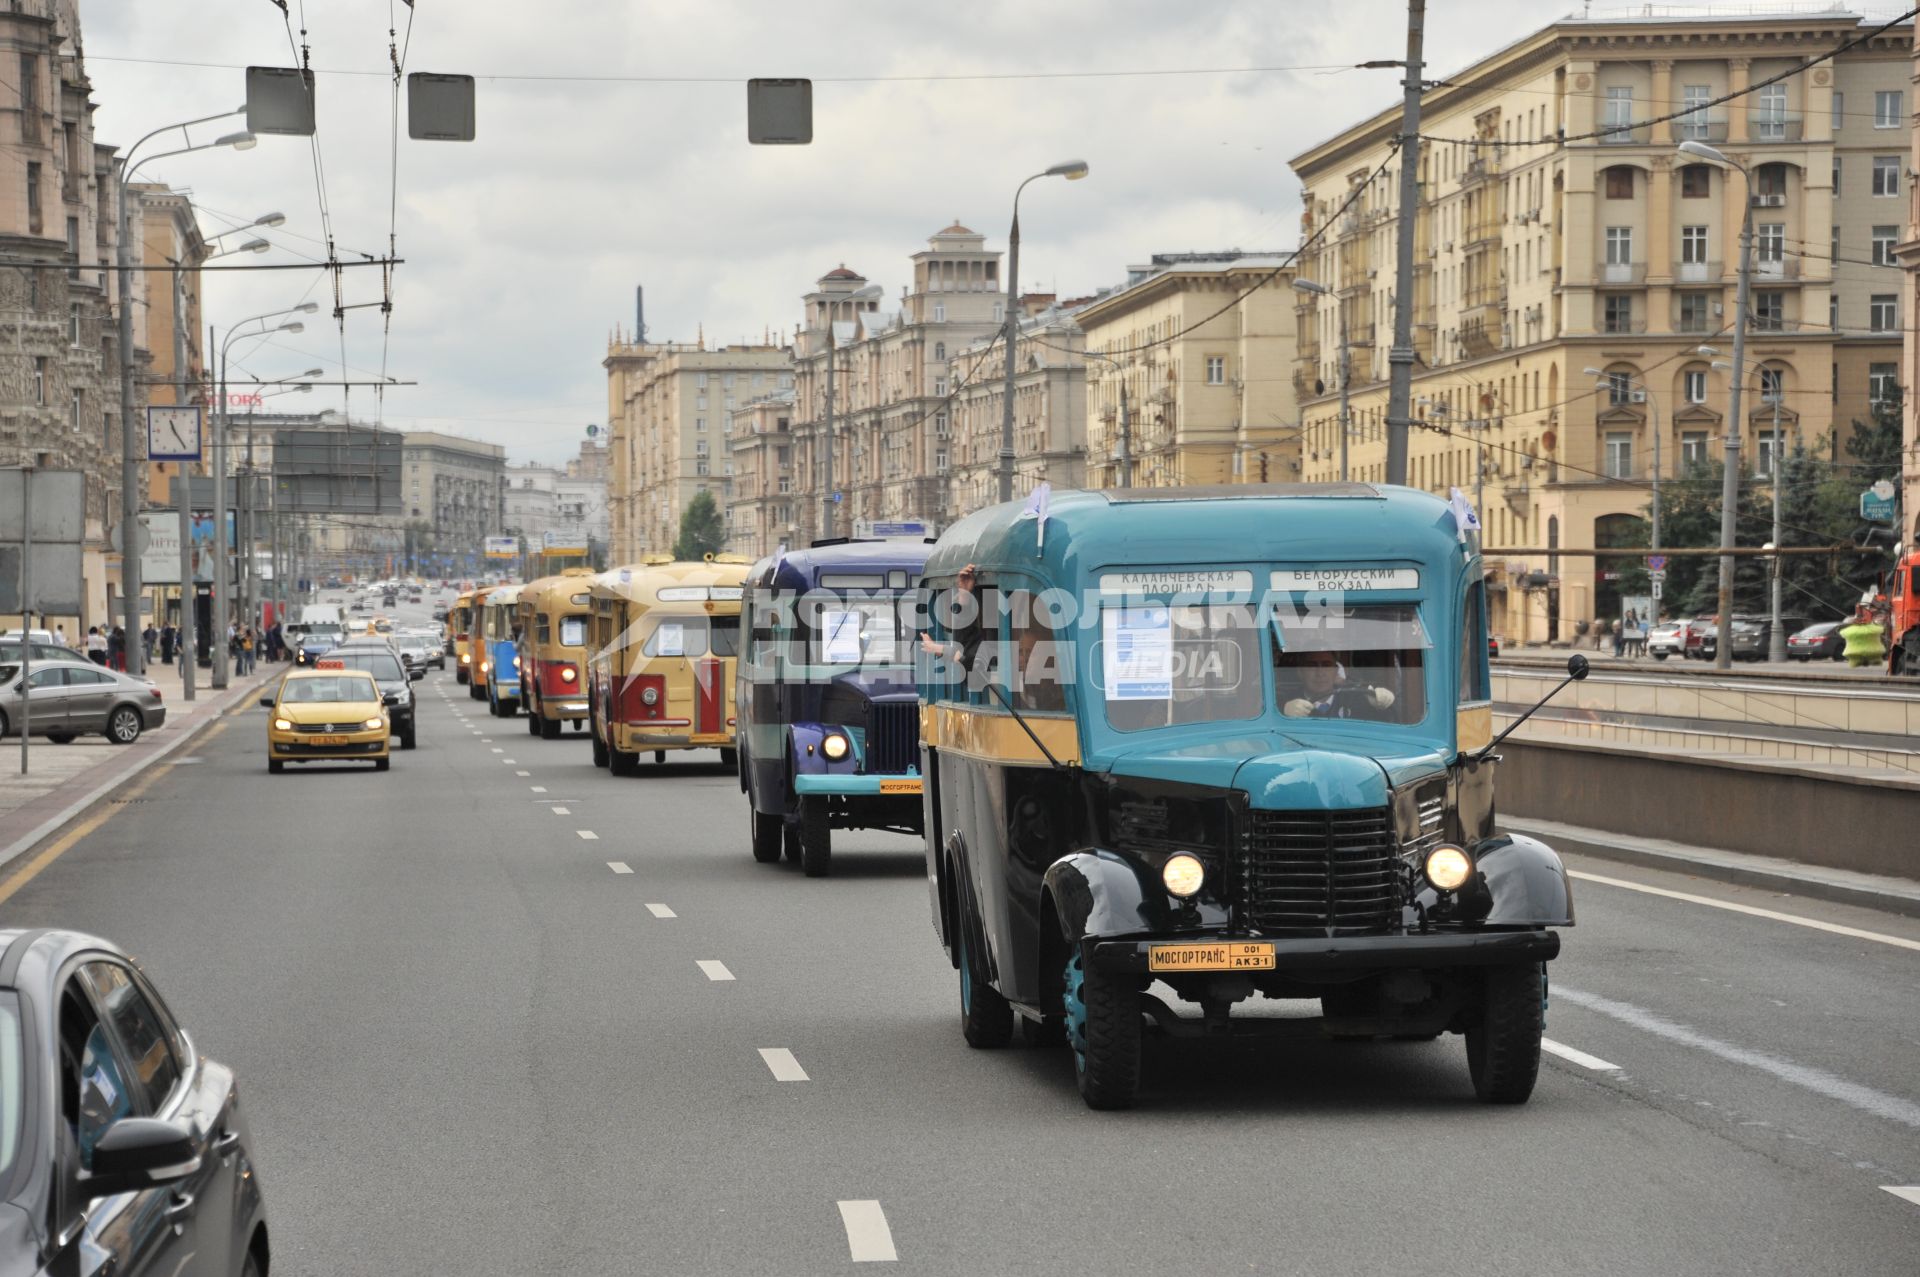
834	747
1448	867
1183	874
649	696
485	666
282	724
516	663
465	659
567	675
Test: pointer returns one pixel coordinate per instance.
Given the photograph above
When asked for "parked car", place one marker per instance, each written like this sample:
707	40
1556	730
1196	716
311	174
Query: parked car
10	653
1669	638
1752	635
71	698
124	1149
1820	642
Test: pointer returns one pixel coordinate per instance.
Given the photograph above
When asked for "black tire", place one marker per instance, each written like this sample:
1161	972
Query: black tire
550	729
1043	1035
60	738
790	841
5	727
474	692
382	764
460	676
769	833
816	838
1103	1028
124	725
275	767
986	1021
408	736
1503	1046
600	756
533	724
253	1267
730	759
622	763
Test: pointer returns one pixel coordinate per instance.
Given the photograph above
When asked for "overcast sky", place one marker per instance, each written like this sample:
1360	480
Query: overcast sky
523	248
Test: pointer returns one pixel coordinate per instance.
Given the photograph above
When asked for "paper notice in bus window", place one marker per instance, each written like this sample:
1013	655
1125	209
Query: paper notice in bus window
841	642
671	639
1138	653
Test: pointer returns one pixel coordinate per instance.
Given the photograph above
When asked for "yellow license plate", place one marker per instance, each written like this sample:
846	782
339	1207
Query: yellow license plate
330	740
910	786
1239	955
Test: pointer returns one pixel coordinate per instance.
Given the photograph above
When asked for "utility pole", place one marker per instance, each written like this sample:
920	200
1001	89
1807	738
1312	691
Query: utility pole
1346	378
184	498
828	522
1730	475
1126	436
130	454
1400	357
222	583
1776	640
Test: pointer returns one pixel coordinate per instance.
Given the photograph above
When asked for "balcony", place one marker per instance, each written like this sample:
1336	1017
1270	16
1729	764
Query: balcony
1482	325
1623	327
1617	273
1624	135
1480	169
1772	126
1698	272
1700	127
1777	269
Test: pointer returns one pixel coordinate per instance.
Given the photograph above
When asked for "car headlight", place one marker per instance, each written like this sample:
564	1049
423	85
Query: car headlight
376	722
649	696
1448	867
1183	874
282	725
834	747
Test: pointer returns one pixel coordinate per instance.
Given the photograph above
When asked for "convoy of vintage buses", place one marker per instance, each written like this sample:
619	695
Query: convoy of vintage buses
1167	751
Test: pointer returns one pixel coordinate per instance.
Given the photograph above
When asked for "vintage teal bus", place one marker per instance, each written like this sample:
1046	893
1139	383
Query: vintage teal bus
1233	740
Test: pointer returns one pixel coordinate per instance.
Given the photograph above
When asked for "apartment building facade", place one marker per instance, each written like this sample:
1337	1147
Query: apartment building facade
1203	346
167	316
1909	257
1049	416
766	489
568	500
1573	297
670	413
455	486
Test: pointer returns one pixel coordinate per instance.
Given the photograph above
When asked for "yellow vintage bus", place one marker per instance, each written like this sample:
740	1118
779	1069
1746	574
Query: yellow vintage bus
554	616
661	651
477	662
459	637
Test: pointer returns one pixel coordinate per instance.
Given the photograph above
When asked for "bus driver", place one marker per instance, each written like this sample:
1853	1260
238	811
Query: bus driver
1321	690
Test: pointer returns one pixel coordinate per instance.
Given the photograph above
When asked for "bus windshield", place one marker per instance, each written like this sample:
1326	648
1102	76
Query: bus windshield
1162	665
1356	661
691	636
857	632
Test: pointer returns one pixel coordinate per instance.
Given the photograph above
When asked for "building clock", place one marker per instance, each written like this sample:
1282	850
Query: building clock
173	434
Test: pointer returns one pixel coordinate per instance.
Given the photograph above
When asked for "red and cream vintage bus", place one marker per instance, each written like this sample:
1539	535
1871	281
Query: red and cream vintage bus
554	615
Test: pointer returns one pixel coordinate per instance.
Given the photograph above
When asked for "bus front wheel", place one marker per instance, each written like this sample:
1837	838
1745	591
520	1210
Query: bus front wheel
622	763
549	728
600	755
816	838
768	833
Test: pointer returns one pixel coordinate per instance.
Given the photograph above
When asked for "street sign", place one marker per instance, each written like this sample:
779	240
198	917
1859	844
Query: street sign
1659	588
1875	508
1882	488
1656	562
779	112
503	547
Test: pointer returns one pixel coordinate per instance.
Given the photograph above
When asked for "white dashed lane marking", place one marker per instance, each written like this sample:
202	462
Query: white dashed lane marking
563	811
1572	1056
781	1063
715	970
659	911
538	789
620	867
869	1240
497	749
1910	1192
524	774
588	835
511	762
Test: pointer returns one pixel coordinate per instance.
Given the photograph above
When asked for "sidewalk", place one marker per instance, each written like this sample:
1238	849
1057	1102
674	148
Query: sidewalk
64	780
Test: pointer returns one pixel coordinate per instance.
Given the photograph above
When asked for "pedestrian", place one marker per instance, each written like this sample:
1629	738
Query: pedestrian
60	636
1619	637
117	648
166	643
96	645
148	637
246	650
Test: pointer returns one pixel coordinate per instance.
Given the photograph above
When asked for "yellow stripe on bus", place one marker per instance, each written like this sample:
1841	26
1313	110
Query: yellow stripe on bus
993	735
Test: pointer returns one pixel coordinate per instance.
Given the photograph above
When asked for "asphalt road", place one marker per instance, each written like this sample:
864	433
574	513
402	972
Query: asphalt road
474	1042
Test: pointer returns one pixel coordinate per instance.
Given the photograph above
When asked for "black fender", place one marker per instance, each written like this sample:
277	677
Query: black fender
1519	882
1097	893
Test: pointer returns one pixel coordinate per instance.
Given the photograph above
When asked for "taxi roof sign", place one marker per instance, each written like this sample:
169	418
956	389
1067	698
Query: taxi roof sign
324	664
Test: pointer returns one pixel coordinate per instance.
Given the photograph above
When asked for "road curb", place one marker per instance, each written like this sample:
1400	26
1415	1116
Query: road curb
1890	895
80	806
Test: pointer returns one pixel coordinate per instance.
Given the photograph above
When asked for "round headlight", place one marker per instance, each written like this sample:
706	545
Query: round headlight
567	675
516	662
1183	874
1448	867
282	725
649	696
464	658
375	722
485	666
834	747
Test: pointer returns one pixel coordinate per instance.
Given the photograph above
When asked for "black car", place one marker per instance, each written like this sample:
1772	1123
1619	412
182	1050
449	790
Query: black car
377	658
1820	642
130	1153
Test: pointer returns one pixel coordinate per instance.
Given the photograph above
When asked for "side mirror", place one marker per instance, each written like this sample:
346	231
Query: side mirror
138	1153
1577	667
266	702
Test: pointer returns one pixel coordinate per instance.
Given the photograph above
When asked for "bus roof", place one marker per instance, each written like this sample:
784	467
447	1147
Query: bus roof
643	582
803	569
571	588
1301	523
503	596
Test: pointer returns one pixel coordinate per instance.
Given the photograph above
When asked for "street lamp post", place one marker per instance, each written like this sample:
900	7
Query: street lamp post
1730	478
250	591
1346	365
1776	637
1073	171
130	453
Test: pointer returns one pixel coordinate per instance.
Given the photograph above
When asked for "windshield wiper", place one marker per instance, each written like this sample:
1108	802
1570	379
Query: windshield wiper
995	689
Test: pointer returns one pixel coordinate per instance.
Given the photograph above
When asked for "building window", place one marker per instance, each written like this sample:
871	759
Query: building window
1769	311
1620	183
1770	113
1693	245
73	413
33	194
1619	389
1216	370
1839	109
727	402
1618	115
1619	245
1886	175
1763	455
1836	176
1696	385
940	313
1619	315
700	380
699	423
1696	182
1886	109
40	380
700	402
1619	455
940	461
701	466
1770	184
1770	243
1693	312
786	381
1693	448
1772	384
1833	311
1884	238
1694	99
726	380
1883	312
1883	386
73	323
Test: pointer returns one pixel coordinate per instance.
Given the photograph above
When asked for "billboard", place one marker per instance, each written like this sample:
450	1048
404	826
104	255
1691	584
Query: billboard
345	470
503	547
564	541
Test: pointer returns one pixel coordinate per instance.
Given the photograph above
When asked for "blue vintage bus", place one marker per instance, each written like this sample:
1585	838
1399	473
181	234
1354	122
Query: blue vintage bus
828	714
1235	740
498	627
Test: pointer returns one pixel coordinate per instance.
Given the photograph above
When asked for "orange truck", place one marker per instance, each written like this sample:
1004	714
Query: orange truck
1902	594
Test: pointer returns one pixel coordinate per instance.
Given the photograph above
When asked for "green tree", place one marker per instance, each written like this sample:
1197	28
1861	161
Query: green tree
701	530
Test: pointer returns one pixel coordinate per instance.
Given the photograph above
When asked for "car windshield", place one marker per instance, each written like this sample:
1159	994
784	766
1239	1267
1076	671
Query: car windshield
856	632
382	665
314	691
1162	665
1355	661
12	1099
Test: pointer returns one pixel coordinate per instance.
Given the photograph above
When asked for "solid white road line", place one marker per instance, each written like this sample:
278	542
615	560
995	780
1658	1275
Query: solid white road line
588	835
715	970
1819	1081
619	866
784	1067
869	1240
1572	1056
538	789
661	911
562	811
1798	921
1909	1192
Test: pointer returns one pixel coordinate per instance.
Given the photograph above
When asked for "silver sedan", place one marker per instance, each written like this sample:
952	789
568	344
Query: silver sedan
74	698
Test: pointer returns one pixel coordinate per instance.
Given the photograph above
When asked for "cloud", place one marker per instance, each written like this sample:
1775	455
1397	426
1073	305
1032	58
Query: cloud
523	248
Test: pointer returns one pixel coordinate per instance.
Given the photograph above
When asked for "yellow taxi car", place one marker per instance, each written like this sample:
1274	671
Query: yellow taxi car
326	712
